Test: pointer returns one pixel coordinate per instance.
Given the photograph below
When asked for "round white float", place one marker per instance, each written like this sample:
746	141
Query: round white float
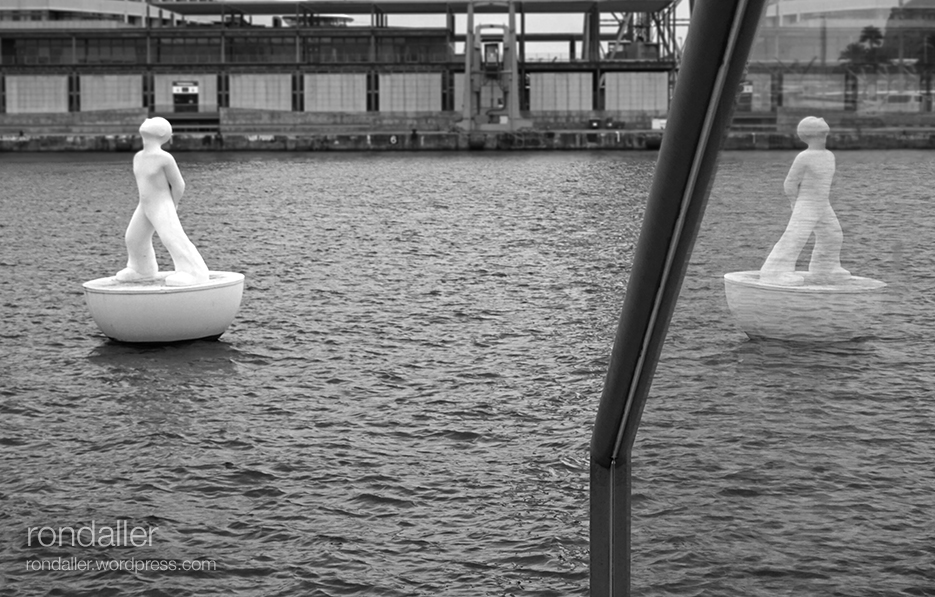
811	312
150	311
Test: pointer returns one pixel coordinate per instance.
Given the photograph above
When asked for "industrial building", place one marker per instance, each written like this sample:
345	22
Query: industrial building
209	66
318	66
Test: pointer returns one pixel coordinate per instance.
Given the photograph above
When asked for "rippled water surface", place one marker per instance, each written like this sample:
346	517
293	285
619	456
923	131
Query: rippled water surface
404	403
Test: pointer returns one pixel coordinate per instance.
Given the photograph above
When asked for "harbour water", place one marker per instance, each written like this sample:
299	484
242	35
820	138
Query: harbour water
404	403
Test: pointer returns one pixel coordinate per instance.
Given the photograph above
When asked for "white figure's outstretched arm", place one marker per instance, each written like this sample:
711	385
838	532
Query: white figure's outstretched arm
794	179
175	180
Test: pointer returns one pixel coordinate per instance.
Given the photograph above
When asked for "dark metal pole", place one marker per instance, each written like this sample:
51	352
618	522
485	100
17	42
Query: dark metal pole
720	35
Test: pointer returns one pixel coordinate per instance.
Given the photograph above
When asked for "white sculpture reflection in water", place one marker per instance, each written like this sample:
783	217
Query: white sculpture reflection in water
141	304
161	187
825	303
808	187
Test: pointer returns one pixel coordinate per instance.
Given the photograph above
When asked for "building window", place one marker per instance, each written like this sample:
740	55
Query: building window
35	51
110	51
188	50
395	50
336	50
260	50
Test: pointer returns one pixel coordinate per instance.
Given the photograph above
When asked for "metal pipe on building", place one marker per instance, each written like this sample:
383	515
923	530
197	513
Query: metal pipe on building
720	35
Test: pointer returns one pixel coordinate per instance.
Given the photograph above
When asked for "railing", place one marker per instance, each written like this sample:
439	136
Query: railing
561	57
179	57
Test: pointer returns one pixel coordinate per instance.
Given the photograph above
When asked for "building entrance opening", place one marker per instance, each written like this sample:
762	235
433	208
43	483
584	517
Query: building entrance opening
184	96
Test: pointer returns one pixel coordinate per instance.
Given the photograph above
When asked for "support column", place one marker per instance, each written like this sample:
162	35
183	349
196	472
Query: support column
592	38
597	99
223	37
522	41
513	67
298	36
467	108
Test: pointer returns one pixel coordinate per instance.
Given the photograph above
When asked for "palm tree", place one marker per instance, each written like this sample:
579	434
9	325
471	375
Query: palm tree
872	36
868	49
854	53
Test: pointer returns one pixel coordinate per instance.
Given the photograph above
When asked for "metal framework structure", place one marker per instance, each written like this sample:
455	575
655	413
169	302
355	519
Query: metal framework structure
657	28
646	26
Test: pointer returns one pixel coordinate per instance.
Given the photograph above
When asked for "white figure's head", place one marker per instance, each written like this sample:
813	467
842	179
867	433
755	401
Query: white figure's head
813	129
156	129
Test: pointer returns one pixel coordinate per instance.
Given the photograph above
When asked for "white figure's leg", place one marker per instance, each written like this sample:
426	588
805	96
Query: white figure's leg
141	260
826	255
190	267
779	267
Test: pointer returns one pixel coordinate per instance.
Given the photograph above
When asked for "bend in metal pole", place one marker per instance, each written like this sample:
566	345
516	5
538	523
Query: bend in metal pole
673	216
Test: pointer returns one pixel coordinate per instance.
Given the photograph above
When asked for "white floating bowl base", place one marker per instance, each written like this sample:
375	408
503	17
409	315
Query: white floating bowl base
812	312
151	312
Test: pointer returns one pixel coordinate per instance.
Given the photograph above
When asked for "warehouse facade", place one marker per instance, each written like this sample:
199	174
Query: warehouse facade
208	67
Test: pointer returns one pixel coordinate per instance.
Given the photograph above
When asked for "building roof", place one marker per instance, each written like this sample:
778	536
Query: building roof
116	7
291	7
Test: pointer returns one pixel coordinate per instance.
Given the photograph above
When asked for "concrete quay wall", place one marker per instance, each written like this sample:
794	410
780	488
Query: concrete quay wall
455	141
347	141
787	119
269	122
240	120
102	122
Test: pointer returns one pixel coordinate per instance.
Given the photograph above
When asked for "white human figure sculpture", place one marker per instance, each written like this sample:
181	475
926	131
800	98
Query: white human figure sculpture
161	186
808	186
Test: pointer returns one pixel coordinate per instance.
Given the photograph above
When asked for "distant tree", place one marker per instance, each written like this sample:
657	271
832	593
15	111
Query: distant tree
868	49
855	52
871	36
